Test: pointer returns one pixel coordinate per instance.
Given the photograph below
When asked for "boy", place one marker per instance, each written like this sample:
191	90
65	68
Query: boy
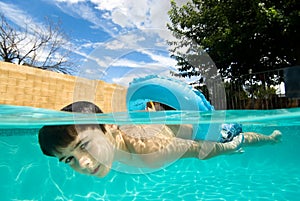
91	149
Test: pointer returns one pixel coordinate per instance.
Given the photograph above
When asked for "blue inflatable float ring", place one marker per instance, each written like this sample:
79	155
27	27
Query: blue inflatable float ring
171	92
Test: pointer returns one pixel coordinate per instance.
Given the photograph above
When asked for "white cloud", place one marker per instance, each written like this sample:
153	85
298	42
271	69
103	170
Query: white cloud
126	41
127	14
137	13
114	53
28	26
71	1
119	17
163	60
140	14
19	17
81	9
134	25
154	66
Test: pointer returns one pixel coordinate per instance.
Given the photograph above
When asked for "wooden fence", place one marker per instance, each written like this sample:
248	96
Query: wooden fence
27	86
257	94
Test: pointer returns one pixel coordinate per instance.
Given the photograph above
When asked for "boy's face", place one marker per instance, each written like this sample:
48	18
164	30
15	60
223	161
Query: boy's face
90	153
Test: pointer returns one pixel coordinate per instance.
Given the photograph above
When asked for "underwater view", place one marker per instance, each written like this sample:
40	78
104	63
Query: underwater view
269	172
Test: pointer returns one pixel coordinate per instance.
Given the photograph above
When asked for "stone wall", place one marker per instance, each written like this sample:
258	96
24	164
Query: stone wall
27	86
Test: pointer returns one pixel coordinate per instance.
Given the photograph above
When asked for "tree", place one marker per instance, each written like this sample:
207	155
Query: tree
43	47
239	35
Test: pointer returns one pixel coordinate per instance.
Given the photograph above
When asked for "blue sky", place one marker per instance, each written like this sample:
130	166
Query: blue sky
115	40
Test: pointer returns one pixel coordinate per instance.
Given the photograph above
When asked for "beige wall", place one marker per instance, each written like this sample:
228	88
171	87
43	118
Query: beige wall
27	86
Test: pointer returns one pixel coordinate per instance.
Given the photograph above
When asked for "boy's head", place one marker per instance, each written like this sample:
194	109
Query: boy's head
84	147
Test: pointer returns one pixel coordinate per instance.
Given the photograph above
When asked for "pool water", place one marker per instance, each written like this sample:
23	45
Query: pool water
260	173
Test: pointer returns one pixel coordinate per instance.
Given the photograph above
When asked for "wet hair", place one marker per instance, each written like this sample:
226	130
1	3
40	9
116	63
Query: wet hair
51	138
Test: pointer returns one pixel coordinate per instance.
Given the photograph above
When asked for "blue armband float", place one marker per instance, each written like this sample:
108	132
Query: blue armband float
178	95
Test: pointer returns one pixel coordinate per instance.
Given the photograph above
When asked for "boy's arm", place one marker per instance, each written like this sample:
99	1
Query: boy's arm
158	151
161	148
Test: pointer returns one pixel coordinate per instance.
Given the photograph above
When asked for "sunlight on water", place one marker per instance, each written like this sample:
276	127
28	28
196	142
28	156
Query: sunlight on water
261	173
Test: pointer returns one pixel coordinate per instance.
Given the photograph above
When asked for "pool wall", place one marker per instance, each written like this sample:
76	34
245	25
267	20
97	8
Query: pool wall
28	86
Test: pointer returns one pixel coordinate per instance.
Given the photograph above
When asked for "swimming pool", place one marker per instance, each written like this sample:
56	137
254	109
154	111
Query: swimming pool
261	173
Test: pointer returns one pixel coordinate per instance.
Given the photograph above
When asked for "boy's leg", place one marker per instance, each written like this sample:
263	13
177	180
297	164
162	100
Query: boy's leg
210	149
256	139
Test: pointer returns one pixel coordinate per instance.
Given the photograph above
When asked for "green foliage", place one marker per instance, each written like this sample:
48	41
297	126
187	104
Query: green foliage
235	91
238	35
262	92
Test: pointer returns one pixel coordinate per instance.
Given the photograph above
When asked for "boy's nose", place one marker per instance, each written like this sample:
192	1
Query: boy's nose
84	162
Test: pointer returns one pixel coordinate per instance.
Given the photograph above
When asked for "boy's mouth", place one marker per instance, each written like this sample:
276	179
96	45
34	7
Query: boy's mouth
96	170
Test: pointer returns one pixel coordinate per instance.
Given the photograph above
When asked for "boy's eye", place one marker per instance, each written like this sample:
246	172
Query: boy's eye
69	159
84	145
